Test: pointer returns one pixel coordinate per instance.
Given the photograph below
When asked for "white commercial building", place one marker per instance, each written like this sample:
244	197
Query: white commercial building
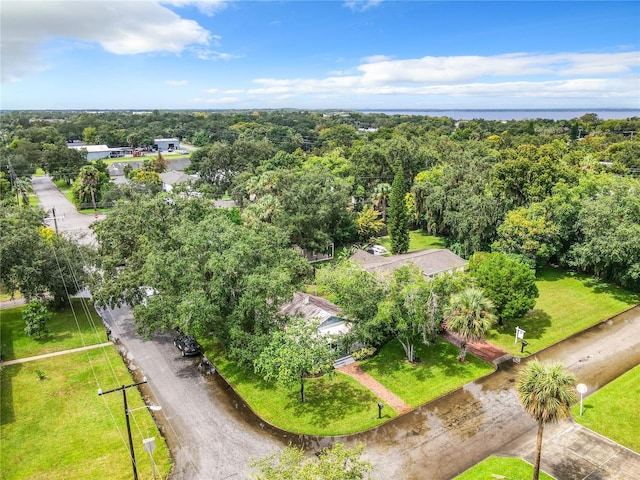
165	144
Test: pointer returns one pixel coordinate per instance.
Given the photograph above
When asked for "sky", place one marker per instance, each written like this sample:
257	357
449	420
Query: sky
332	54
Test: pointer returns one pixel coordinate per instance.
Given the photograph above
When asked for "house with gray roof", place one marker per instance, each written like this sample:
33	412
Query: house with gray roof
169	179
431	262
310	307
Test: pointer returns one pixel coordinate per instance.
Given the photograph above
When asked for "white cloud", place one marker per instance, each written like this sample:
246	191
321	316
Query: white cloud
222	100
211	90
361	5
514	75
434	70
207	54
233	92
119	27
176	83
208	7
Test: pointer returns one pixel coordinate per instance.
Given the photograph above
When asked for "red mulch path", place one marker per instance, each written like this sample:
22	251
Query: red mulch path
481	349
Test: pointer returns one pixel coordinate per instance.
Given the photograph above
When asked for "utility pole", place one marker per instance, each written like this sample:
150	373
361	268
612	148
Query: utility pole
55	219
123	388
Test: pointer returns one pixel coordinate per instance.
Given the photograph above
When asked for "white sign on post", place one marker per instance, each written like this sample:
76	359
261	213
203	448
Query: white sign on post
519	334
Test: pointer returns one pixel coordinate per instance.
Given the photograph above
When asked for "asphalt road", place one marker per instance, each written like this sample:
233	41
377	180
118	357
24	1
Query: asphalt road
68	220
209	433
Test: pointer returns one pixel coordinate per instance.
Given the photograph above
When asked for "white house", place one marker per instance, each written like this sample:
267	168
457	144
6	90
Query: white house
311	307
165	144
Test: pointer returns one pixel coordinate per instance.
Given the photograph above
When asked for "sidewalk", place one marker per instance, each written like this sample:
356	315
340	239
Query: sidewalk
395	402
54	354
16	302
573	452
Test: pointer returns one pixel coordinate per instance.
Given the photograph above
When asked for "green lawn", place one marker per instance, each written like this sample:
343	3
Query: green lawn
59	428
437	373
65	332
501	467
334	406
418	240
613	410
568	303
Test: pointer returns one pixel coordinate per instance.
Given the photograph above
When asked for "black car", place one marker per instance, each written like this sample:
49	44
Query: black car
187	344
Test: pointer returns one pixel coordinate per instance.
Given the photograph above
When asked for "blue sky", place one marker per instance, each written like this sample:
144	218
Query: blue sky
181	54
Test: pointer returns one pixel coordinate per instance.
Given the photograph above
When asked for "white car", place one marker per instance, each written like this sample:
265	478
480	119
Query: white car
377	250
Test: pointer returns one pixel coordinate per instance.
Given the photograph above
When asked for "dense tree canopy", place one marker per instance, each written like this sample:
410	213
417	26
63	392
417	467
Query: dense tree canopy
335	463
507	282
519	187
210	276
35	262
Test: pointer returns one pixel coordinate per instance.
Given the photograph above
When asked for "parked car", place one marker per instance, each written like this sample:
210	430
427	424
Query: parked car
187	344
377	250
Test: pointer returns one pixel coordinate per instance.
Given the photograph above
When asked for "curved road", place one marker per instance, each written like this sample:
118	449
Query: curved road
214	436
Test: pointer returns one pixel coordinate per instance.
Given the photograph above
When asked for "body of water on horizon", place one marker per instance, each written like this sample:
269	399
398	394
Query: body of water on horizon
515	114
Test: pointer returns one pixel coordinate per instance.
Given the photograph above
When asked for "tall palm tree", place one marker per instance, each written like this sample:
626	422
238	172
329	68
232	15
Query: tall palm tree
380	198
469	315
546	392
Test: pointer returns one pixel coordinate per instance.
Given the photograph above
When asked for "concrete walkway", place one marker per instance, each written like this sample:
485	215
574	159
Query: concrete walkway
16	302
54	354
395	402
573	452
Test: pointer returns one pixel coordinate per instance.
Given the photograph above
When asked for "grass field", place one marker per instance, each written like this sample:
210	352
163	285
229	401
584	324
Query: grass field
437	373
57	427
568	303
67	331
501	467
613	410
334	406
418	240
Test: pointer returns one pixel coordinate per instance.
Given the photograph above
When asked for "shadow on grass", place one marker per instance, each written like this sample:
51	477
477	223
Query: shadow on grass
597	286
328	401
613	291
7	412
535	323
49	338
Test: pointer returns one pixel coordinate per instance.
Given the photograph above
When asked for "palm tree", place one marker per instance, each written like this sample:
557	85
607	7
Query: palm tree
89	178
469	315
380	198
546	392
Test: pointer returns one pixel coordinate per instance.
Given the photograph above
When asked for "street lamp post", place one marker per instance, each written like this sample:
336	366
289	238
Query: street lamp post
123	388
582	389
